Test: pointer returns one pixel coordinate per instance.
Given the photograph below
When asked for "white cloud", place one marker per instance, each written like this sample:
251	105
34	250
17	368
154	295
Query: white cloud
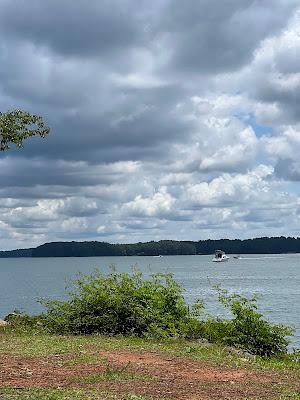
284	146
157	205
232	155
155	133
231	190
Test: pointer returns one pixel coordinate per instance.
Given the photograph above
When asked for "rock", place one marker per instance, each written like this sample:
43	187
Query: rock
241	353
3	323
204	342
250	356
11	316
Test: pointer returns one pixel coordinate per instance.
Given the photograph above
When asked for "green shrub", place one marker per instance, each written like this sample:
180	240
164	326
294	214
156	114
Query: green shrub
121	303
247	329
128	304
23	323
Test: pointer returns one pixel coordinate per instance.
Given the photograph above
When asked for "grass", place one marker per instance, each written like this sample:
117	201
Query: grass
111	373
83	349
45	394
289	396
73	351
59	394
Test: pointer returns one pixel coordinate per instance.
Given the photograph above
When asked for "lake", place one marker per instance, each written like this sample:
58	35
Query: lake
274	278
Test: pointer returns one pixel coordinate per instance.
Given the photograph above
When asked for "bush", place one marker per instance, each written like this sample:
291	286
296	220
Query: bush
120	303
23	323
127	304
247	329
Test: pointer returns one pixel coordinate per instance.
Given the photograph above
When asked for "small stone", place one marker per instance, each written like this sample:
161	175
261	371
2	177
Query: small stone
203	341
12	315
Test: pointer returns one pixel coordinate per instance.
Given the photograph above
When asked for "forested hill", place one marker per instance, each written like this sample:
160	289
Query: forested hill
272	245
16	253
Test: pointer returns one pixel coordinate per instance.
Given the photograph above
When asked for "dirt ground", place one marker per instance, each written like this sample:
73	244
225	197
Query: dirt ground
152	374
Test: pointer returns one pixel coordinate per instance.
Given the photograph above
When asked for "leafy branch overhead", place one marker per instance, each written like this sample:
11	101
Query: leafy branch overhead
18	125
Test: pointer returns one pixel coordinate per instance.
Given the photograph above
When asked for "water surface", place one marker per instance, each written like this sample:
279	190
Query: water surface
276	279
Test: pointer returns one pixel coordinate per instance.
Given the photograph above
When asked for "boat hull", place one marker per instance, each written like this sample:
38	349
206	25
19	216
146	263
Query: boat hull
220	259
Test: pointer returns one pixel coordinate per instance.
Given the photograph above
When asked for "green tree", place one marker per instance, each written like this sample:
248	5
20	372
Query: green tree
18	125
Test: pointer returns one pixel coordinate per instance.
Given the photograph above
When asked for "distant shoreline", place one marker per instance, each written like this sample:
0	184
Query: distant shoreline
263	245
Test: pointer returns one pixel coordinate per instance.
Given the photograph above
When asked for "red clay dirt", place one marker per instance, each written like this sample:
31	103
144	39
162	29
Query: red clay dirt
155	375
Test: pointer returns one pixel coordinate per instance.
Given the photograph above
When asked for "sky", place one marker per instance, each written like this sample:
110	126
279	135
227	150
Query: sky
169	119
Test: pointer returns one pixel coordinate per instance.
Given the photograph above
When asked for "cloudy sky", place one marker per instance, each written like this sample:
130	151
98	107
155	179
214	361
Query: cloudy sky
169	119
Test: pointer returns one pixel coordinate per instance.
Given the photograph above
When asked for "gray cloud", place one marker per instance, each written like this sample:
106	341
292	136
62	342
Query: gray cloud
288	169
74	28
212	36
144	101
24	173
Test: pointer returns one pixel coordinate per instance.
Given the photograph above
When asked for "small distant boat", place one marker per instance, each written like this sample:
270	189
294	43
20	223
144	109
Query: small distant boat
158	256
220	256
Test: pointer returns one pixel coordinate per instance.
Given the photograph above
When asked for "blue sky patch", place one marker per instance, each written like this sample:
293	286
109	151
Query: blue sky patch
250	119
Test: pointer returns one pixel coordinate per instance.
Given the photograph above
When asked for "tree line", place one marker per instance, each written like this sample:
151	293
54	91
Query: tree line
263	245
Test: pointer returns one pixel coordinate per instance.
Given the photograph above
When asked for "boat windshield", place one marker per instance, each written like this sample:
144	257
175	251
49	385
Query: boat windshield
219	253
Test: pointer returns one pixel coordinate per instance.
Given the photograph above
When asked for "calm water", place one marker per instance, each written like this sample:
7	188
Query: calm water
276	279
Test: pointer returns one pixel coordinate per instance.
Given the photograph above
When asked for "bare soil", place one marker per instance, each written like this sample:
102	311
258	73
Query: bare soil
154	374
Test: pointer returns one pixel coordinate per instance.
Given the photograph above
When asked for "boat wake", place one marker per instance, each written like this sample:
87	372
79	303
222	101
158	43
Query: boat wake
259	258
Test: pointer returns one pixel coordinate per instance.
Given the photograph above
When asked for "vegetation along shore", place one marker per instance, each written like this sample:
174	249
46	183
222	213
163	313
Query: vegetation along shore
124	337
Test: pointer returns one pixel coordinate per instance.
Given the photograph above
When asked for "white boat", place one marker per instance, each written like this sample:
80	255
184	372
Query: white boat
220	256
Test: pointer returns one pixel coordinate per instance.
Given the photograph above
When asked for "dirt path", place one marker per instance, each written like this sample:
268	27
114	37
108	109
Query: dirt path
142	373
